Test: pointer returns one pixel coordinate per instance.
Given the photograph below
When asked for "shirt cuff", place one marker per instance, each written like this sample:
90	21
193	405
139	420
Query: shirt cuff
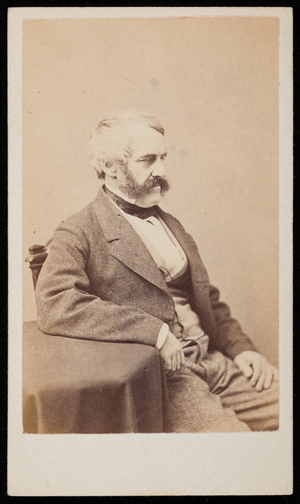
162	336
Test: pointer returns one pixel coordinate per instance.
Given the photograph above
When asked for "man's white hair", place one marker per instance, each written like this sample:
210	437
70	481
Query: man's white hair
111	138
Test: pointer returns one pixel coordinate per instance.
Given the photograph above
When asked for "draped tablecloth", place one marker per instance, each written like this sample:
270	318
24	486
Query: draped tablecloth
84	386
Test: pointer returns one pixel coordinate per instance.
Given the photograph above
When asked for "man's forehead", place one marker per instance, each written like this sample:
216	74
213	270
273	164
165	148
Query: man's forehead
145	138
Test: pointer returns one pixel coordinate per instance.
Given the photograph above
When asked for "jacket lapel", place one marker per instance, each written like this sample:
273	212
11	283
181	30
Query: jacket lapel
125	244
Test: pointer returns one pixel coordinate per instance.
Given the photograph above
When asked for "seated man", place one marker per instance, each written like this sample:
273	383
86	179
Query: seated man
124	270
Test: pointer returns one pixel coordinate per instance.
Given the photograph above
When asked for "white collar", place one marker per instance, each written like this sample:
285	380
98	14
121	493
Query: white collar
119	193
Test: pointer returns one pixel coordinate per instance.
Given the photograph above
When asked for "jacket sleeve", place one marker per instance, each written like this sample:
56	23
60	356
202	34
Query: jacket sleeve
66	307
229	337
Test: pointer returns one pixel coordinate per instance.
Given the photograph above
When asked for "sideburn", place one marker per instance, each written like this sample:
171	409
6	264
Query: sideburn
134	190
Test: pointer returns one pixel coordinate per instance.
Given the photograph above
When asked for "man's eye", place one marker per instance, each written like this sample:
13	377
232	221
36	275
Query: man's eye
149	160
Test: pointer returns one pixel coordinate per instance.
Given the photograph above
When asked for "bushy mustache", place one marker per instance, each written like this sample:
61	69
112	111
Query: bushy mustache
154	182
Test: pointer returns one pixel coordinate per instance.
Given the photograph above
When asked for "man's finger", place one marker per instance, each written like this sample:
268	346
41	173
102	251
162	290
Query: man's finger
173	363
257	370
182	357
260	383
178	361
167	364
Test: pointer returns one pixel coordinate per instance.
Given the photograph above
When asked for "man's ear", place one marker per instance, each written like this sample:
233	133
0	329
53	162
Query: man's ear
110	168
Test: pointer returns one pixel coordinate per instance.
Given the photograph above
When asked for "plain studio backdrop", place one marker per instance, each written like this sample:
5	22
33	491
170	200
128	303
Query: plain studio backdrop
213	83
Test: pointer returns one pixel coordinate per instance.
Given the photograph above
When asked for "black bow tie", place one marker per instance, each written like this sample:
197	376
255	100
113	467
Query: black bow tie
130	208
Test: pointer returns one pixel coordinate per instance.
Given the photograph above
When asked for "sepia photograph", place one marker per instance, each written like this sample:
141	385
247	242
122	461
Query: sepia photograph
149	266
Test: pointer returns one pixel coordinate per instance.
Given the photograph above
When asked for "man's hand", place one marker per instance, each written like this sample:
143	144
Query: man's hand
256	367
172	354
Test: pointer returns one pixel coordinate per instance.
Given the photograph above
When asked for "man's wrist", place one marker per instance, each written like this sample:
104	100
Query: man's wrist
162	336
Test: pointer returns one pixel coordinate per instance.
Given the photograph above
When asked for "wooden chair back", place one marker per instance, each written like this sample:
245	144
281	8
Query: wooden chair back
36	259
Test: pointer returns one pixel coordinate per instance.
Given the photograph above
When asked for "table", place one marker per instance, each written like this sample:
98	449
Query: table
83	386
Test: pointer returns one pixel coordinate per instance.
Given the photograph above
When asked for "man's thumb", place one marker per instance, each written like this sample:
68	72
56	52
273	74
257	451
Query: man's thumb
245	368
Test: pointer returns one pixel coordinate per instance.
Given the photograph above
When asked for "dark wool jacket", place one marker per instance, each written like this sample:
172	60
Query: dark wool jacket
100	282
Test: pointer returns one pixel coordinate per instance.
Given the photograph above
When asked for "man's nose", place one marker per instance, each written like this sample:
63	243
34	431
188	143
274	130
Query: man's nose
159	169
